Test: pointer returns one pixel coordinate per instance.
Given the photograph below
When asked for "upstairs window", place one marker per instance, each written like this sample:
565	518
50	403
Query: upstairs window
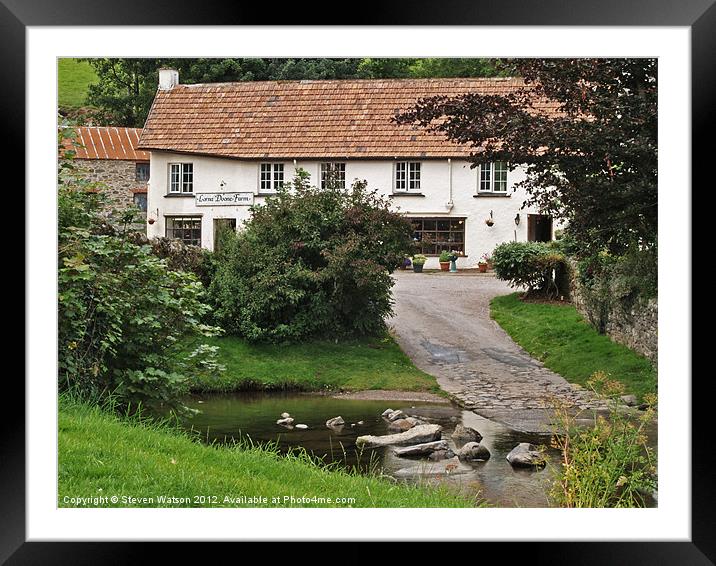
141	172
270	177
181	178
407	176
493	177
333	175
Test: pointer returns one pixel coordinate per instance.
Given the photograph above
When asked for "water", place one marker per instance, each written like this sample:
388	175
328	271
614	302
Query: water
228	417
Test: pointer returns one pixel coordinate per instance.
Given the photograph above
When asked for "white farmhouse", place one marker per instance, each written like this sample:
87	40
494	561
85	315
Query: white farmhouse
217	149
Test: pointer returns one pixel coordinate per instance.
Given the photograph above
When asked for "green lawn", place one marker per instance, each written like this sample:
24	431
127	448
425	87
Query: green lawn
101	455
366	363
73	78
558	336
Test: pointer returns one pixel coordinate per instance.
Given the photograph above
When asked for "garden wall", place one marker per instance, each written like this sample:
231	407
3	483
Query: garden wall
630	321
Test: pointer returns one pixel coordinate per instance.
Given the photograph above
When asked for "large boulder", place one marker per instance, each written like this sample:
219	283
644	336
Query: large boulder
404	424
526	455
416	435
473	451
629	400
466	434
395	415
335	422
421	449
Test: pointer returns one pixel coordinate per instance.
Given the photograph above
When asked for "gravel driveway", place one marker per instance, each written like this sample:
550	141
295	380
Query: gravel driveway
442	321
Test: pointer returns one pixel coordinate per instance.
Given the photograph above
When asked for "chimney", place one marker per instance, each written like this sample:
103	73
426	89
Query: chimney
168	79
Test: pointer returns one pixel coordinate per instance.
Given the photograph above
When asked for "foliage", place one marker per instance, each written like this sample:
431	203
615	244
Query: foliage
419	259
558	336
593	163
607	281
530	264
125	88
609	464
121	311
311	263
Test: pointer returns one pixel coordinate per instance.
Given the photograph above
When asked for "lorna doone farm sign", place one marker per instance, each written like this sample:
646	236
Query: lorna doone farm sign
224	199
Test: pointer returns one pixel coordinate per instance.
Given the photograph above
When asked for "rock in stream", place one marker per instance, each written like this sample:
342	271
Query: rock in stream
416	435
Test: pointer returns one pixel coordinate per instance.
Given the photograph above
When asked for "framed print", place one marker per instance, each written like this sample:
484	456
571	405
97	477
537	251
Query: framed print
227	131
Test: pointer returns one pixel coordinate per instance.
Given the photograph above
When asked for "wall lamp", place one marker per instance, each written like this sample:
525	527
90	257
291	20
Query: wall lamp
517	219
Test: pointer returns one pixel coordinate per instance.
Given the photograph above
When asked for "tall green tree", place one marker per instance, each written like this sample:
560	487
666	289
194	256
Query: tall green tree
592	161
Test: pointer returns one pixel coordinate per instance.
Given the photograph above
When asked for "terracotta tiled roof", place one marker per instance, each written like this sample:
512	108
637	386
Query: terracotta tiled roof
304	119
97	142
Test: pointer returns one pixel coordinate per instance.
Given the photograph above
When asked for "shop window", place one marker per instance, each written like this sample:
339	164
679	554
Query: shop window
434	235
184	228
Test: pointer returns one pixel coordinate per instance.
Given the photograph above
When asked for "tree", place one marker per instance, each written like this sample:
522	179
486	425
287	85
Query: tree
310	263
122	312
591	161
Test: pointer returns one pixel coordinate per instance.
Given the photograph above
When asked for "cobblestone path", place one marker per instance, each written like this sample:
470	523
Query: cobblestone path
442	321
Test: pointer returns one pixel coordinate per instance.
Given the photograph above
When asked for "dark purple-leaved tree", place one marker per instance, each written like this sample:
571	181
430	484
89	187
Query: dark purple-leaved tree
586	130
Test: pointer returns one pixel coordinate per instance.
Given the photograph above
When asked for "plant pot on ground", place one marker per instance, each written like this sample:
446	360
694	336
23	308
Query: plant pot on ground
444	259
482	266
418	262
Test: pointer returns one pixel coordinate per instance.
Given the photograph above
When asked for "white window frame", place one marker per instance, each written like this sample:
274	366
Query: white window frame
185	178
274	179
336	166
486	172
406	176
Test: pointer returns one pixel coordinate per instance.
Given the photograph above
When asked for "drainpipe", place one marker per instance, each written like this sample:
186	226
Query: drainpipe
450	203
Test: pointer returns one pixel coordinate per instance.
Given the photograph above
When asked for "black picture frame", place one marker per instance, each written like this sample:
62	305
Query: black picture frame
699	15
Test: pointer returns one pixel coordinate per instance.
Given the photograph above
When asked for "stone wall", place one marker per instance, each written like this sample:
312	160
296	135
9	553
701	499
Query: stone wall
630	321
118	176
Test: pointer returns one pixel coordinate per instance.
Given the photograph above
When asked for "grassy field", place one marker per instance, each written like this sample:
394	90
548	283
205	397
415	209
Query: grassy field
558	336
101	455
73	78
367	363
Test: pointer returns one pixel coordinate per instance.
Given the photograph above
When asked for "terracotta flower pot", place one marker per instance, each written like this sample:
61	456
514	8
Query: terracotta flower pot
444	265
482	267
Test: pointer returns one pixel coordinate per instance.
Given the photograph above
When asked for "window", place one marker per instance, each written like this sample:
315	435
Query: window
181	178
334	175
140	201
184	228
407	176
493	177
141	172
435	235
271	177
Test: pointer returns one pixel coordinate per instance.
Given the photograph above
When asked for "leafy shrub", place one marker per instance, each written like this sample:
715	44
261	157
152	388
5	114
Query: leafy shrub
122	311
529	264
609	464
310	263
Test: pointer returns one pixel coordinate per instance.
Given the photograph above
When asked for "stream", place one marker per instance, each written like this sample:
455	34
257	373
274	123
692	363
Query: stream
226	418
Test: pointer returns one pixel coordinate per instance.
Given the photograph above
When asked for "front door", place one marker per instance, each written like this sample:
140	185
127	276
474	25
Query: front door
539	228
221	225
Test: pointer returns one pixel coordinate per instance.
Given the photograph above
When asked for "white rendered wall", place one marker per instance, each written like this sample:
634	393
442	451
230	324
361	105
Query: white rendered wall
243	176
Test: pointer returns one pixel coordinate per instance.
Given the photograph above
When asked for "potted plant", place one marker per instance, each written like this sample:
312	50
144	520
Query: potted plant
406	263
418	262
445	259
485	263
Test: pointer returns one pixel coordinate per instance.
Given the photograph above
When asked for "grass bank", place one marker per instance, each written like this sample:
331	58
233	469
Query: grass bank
558	336
73	78
101	455
352	365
